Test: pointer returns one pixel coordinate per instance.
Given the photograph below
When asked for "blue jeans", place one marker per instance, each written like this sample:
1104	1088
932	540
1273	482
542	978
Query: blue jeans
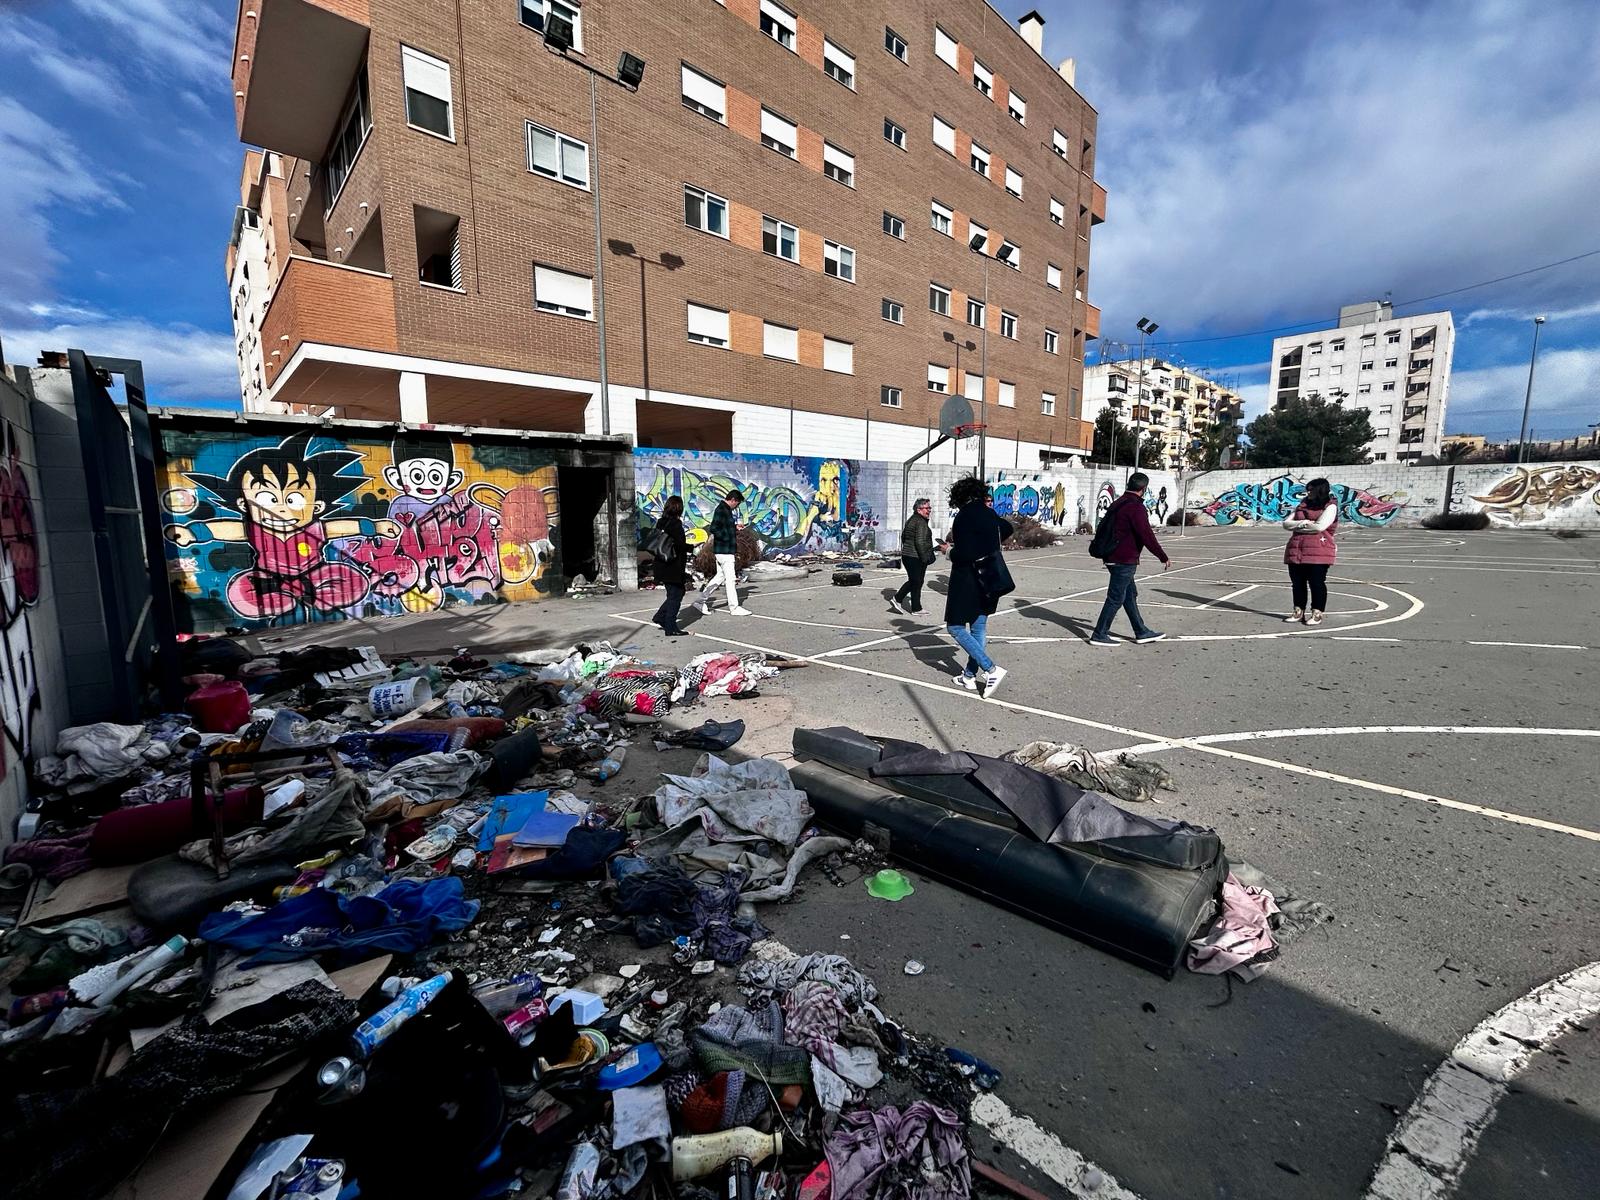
970	639
1121	593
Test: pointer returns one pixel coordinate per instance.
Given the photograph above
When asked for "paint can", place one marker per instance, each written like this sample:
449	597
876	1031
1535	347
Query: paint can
398	697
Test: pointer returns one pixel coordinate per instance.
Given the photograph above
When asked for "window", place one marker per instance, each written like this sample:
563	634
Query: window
705	211
939	299
982	78
838	64
535	13
839	357
980	160
894	43
778	134
888	396
1368	340
1058	143
837	165
1382	431
427	83
353	130
780	239
945	49
708	326
1052	342
557	156
1389	387
1366	366
893	134
942	219
1364	389
938	378
976	231
1315	348
1052	276
1014	182
777	23
1391	362
562	292
973	390
779	341
1380	458
975	312
1336	369
1008	325
1386	410
894	226
944	135
894	311
705	95
1011	255
1394	337
1058	211
839	261
438	247
1018	108
1337	345
1047	404
1008	394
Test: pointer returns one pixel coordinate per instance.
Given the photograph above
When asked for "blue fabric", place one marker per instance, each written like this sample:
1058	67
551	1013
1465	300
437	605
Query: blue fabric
1121	593
508	815
971	639
405	917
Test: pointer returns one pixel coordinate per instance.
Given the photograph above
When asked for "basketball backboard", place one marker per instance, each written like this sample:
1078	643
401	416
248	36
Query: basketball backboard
956	411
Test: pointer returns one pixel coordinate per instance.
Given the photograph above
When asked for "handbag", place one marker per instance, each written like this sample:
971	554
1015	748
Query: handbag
994	577
661	545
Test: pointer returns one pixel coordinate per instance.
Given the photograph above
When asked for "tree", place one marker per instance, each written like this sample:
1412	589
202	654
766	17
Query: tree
1215	446
1305	433
1153	453
1455	452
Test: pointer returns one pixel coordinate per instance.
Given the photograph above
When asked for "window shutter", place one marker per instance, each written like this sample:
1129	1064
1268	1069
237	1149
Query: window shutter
945	47
563	289
777	128
704	91
781	342
838	356
944	135
838	158
426	74
709	323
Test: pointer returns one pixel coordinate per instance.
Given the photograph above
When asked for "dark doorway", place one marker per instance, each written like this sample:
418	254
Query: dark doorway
583	500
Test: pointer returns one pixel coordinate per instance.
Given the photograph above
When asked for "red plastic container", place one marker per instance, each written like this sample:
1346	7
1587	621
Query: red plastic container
219	707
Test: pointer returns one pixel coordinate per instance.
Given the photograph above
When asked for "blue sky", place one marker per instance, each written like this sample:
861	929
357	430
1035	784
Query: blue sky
1266	163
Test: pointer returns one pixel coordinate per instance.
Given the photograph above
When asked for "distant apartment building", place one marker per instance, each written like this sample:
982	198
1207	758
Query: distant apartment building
788	201
1395	368
1178	404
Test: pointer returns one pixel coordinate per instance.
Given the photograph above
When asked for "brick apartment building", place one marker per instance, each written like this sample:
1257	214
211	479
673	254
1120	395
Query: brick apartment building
787	203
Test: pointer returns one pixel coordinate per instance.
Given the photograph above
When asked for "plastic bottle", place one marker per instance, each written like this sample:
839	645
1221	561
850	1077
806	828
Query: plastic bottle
381	1025
582	1171
693	1157
148	966
612	763
502	997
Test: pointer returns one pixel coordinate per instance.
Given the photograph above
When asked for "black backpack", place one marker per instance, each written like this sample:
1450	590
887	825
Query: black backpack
1104	543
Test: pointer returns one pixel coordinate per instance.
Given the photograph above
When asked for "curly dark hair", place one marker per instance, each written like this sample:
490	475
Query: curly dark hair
969	489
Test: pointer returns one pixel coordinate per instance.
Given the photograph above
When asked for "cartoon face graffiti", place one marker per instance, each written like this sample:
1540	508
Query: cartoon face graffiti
424	473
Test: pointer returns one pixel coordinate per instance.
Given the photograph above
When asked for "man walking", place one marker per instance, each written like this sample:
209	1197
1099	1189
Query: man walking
1130	534
724	546
916	555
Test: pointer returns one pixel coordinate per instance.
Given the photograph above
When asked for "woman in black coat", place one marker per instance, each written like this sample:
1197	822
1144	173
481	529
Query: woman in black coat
975	535
672	572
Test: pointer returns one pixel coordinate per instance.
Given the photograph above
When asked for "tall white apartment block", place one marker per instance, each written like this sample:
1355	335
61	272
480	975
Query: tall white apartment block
1395	368
1178	404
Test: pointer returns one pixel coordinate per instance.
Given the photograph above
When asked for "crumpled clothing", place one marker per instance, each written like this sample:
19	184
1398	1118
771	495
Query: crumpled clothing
424	785
405	917
725	1101
722	817
665	903
55	953
854	1072
750	1040
810	850
89	754
157	791
389	749
642	692
1295	915
470	691
55	858
334	817
291	730
917	1154
765	975
815	1018
722	673
1125	776
1240	934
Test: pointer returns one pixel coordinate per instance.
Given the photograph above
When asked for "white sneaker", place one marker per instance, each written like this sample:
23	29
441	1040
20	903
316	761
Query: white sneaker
738	612
704	606
1314	618
993	680
895	604
970	682
1294	618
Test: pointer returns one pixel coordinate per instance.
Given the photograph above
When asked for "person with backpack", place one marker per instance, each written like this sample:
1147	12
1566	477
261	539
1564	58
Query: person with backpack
1311	551
670	547
1124	532
916	555
978	578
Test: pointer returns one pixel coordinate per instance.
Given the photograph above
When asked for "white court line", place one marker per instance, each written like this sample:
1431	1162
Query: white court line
1361	562
1249	587
1532	645
1023	1135
1341	638
1416	607
1431	1146
1153	741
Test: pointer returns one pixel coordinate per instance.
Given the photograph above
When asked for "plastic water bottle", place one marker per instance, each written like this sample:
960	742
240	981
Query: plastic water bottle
381	1025
612	763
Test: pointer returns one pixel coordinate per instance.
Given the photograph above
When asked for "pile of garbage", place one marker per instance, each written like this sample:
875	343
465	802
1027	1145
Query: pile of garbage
349	926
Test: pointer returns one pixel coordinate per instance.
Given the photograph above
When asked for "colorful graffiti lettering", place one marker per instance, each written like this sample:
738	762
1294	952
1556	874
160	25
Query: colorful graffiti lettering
19	592
298	530
1276	500
1044	502
793	505
1528	496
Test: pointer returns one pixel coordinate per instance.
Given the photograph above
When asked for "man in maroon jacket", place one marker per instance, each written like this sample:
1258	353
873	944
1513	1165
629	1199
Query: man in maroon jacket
1131	533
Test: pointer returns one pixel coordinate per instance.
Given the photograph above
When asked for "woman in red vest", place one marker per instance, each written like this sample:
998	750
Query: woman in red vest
1311	551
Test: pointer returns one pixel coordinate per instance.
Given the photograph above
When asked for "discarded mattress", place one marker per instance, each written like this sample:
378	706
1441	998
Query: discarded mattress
1136	886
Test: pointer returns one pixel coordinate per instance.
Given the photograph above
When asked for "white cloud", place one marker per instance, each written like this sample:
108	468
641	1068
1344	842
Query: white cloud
1566	396
1578	312
182	364
173	36
87	80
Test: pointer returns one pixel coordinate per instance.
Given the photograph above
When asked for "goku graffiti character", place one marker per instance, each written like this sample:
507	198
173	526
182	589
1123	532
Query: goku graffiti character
282	494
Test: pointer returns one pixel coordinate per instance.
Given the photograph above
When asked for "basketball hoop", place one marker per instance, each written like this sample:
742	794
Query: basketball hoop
967	432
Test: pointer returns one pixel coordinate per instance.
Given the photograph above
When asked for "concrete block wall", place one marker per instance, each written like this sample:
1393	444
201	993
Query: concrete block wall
1534	496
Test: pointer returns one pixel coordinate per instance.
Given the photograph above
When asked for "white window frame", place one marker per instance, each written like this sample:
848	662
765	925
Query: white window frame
1363	389
691	81
982	78
1058	143
1052	341
892	311
1058	212
782	336
976	305
842	62
841	162
936	291
889	396
946	49
1389	387
944	132
1391	364
1313	372
706	198
1006	394
779	125
556	283
1013	176
1052	276
892	39
1337	345
562	142
938	379
778	238
418	67
1010	317
1014	260
782	21
713	326
841	354
842	258
979	154
1047	404
942	218
894	134
1017	107
894	226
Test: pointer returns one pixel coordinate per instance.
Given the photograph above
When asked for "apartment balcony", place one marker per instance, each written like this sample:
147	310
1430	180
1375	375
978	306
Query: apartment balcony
293	65
1090	320
1097	204
327	304
1420	366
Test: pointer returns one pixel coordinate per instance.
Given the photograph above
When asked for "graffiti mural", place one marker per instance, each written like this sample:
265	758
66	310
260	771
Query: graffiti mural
315	527
19	592
1044	502
794	506
1276	500
1532	495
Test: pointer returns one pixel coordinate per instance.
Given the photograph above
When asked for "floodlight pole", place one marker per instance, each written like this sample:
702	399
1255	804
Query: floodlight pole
1527	400
983	369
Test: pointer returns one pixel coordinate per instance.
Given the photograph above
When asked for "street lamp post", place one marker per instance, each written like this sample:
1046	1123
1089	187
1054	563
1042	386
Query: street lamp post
669	262
1146	328
1527	400
978	245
